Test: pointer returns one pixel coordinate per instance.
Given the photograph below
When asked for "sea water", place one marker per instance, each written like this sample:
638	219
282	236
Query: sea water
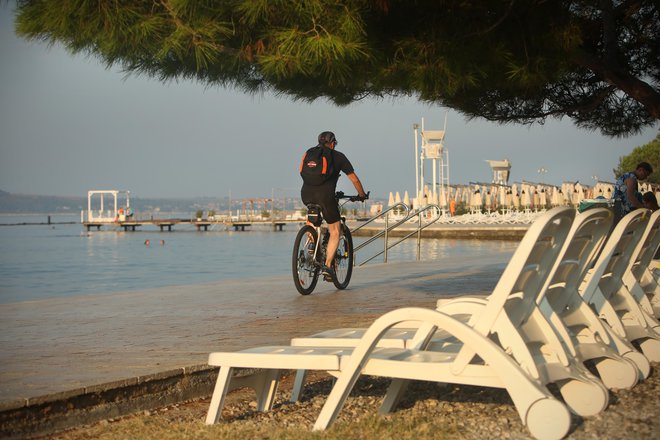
39	261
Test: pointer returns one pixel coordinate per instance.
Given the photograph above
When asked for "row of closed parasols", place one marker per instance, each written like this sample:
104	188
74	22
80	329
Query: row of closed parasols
478	196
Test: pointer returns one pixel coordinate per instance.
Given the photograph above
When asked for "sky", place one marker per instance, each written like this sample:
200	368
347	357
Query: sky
68	125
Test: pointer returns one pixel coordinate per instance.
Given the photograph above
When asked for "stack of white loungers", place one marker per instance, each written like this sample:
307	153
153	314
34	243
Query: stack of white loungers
575	291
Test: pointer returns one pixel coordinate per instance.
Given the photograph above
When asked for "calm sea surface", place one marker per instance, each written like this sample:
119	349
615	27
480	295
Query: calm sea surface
50	261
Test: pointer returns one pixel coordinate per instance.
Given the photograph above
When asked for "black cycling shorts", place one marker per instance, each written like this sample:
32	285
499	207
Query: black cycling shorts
324	197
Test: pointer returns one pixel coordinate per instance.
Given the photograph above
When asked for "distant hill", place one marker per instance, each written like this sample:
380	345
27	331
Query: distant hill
25	203
38	204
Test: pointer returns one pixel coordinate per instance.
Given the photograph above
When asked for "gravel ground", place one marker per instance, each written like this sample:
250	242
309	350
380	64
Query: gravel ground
429	410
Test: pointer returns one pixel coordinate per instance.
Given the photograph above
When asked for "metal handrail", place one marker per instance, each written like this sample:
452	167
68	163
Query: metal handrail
388	228
391	208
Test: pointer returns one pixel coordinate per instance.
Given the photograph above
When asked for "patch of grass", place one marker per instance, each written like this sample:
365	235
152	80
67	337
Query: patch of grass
427	411
368	426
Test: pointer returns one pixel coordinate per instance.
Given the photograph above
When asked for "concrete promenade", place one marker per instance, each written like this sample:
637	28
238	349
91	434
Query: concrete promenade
64	352
56	345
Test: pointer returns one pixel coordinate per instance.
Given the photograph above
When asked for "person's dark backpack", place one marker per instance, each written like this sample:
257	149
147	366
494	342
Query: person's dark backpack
317	166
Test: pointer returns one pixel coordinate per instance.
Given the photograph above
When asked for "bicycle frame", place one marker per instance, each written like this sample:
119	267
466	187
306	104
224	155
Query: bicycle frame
321	229
320	233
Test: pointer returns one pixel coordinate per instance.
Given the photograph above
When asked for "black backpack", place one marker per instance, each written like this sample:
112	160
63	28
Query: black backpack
317	166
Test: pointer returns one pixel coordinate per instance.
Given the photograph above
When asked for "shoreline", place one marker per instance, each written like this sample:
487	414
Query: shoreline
475	231
456	232
39	224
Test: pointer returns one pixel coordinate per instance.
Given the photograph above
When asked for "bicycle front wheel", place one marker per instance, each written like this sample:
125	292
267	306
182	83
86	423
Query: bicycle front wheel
305	269
343	261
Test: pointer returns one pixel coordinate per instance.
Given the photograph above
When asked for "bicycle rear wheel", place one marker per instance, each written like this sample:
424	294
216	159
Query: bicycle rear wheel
305	270
343	261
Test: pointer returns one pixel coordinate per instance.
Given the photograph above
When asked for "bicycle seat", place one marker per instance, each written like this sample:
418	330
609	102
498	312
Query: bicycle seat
314	214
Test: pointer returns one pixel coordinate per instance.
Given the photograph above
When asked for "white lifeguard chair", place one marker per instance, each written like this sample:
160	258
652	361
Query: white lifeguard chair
102	215
501	171
433	149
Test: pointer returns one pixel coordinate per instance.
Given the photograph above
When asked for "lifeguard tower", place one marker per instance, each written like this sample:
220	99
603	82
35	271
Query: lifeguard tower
501	171
120	211
432	150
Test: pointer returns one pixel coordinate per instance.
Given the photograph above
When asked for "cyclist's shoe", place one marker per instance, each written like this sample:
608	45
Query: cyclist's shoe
328	273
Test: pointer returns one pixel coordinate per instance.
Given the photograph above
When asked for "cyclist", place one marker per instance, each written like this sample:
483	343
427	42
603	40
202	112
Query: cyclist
323	194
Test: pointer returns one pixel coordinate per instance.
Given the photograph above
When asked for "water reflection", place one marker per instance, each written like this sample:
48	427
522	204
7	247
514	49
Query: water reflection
50	261
432	249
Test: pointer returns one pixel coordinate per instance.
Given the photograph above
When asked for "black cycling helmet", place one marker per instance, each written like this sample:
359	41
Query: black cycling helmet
327	137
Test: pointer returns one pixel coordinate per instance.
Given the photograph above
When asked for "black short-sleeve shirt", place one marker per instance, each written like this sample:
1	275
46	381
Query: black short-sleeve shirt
324	195
341	164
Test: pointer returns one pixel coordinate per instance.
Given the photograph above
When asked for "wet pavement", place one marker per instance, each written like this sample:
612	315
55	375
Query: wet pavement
57	345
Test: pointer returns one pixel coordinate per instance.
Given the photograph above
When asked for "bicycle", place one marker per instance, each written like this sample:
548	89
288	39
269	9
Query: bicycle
309	253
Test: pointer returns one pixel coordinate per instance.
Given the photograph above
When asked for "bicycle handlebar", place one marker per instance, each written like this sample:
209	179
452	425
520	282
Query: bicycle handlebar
340	195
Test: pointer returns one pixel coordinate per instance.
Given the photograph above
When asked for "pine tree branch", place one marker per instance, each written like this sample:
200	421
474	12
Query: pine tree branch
641	91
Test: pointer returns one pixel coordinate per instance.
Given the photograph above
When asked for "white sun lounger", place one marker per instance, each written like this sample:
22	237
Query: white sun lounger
479	361
639	278
607	294
583	333
510	317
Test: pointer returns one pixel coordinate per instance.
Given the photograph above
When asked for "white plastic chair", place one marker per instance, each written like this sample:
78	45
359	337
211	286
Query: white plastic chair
609	297
478	361
509	316
638	277
618	363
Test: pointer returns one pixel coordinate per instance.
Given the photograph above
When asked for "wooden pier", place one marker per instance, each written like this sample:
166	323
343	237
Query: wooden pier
201	225
121	216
